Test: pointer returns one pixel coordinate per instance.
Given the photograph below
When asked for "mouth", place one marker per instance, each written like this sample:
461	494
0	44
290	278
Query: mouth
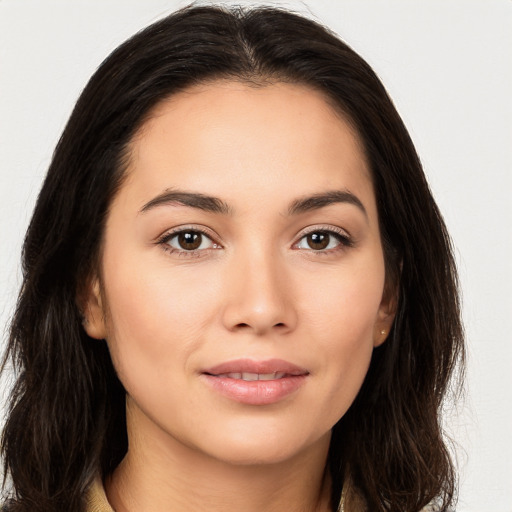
251	370
251	377
256	382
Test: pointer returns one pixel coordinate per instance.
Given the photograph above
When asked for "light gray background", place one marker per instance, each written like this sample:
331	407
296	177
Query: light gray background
446	63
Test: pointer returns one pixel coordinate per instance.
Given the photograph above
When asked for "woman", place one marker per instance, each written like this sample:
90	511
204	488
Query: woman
238	291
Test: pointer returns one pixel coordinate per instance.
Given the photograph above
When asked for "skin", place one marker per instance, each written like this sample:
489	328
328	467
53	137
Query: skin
253	289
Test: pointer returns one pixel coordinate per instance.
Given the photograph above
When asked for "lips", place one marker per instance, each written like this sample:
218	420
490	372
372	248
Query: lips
256	382
250	366
251	377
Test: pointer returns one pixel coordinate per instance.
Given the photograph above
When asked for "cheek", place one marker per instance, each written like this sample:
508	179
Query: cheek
340	314
344	304
156	317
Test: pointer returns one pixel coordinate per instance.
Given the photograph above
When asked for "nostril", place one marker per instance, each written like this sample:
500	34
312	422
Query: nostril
243	325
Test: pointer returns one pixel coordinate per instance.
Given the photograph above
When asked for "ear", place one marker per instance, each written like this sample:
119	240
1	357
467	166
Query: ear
385	315
91	306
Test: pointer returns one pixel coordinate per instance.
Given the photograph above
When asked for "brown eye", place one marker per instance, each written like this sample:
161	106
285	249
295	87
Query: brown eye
190	240
323	240
318	240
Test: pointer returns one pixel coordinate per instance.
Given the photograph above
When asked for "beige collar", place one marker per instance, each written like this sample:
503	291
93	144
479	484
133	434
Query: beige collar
96	498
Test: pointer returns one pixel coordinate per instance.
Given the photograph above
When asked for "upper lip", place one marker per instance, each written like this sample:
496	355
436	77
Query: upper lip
266	366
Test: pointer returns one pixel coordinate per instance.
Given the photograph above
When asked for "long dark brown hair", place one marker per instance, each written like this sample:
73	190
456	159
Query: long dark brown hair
66	420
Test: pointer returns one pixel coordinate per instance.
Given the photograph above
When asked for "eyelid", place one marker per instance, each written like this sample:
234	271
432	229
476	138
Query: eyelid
187	227
324	227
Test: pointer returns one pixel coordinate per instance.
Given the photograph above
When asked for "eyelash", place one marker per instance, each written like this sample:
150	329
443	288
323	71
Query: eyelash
344	239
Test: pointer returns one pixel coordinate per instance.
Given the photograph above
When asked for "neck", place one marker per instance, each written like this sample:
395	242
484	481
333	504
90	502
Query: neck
160	474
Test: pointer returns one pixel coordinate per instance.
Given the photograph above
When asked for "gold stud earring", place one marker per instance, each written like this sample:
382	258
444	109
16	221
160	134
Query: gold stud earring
383	332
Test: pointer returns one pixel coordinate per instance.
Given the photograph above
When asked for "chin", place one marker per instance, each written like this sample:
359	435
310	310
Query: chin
248	456
244	449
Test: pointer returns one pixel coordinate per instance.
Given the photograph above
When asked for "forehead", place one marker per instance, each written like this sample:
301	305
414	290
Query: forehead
244	104
224	136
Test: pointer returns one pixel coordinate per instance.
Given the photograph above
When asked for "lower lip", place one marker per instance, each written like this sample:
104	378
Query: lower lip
258	392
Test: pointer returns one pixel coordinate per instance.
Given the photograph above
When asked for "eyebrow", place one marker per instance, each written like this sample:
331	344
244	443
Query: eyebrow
191	199
216	205
323	199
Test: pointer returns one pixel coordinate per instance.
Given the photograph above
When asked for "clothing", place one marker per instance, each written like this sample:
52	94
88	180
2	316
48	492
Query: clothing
96	498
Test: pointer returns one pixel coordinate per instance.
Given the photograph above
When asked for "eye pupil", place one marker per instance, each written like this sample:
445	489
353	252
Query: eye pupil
318	240
190	240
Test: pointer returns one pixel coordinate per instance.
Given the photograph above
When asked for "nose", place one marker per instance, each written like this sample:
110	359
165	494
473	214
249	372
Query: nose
259	296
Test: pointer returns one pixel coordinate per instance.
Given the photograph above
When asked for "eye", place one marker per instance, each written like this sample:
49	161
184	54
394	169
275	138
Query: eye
322	240
189	240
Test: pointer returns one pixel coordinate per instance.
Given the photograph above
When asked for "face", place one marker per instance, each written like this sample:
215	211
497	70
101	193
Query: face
242	272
